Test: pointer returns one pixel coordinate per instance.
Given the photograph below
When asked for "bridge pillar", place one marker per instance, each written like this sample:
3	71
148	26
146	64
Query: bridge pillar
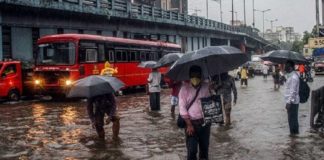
208	41
22	44
1	50
189	44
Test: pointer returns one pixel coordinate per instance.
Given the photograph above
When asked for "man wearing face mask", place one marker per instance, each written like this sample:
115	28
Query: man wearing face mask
189	97
292	97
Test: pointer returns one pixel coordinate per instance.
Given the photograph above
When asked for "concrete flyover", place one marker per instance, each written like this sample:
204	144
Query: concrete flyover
24	21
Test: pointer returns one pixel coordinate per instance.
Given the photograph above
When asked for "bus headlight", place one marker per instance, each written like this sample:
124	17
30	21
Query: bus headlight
68	82
37	82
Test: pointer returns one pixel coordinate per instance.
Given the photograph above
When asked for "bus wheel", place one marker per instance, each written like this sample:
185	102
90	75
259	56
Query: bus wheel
13	95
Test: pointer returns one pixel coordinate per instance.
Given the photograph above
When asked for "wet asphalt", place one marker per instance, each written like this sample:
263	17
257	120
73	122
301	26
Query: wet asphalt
44	129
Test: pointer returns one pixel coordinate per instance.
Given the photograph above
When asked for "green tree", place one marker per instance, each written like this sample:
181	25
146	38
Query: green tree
306	36
297	46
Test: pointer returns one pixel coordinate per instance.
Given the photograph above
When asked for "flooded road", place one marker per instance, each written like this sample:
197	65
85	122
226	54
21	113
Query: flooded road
61	130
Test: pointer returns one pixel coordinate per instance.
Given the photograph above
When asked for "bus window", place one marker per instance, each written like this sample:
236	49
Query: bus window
121	56
124	56
118	56
150	56
91	55
133	56
142	57
147	56
88	52
159	55
101	49
111	57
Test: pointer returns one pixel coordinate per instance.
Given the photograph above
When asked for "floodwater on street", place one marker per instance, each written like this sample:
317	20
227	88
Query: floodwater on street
61	130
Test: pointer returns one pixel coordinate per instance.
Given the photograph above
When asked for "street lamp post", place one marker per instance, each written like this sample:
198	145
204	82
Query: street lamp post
207	9
244	14
221	11
271	22
253	24
232	13
263	11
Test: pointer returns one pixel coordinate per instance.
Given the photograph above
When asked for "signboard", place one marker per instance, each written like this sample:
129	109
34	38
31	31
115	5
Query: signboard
316	42
212	109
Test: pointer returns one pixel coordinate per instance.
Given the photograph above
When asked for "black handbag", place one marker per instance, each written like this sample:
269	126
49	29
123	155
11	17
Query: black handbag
180	121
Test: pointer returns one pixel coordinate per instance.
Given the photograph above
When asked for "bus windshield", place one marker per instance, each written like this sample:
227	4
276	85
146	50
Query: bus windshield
62	53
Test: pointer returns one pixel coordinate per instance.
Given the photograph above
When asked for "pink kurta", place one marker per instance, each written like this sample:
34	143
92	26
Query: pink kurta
186	94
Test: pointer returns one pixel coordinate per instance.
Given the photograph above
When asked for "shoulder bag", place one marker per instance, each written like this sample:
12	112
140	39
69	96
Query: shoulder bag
180	121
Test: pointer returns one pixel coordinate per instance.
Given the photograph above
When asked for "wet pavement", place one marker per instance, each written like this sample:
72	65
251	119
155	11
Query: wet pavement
61	130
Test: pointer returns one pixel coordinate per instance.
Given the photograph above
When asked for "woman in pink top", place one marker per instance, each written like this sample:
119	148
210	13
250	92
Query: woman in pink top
196	133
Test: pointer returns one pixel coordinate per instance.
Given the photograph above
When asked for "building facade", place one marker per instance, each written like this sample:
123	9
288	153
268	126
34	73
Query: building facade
283	34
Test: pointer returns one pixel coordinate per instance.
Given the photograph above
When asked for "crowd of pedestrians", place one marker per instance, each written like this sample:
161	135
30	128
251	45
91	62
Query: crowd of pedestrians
187	95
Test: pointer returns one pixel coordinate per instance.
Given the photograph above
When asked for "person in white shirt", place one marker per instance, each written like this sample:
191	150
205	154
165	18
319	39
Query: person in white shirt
292	97
265	70
154	80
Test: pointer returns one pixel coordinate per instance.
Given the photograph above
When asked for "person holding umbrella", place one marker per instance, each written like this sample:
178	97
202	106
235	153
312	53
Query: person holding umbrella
99	91
168	60
193	68
292	99
196	133
97	107
154	80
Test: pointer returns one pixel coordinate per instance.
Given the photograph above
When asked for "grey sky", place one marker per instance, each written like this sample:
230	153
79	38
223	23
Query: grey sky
299	14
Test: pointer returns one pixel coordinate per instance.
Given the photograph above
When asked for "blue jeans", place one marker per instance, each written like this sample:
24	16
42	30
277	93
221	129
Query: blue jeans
201	138
293	118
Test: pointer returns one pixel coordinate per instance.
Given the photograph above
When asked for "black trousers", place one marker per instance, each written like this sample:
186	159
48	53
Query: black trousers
293	118
155	101
244	81
199	138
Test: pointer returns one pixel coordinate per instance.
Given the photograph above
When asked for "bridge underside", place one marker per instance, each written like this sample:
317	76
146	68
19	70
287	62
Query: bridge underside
21	26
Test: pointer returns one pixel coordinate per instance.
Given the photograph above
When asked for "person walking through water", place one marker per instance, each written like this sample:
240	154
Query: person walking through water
292	97
97	107
154	80
244	76
225	85
175	86
265	70
276	77
196	133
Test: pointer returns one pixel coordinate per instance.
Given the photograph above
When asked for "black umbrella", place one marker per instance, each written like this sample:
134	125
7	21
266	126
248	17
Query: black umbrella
168	59
213	60
147	64
94	85
282	56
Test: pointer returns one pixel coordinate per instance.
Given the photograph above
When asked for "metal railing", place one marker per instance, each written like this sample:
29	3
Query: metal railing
317	108
124	9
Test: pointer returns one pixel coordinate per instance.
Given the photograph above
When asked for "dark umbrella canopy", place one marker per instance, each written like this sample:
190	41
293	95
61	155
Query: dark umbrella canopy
213	60
94	85
147	64
282	56
168	59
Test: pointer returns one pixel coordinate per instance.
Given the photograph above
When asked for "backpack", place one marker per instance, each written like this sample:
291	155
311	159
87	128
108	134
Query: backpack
304	90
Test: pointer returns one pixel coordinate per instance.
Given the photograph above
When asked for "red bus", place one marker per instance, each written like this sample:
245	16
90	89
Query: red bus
64	58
